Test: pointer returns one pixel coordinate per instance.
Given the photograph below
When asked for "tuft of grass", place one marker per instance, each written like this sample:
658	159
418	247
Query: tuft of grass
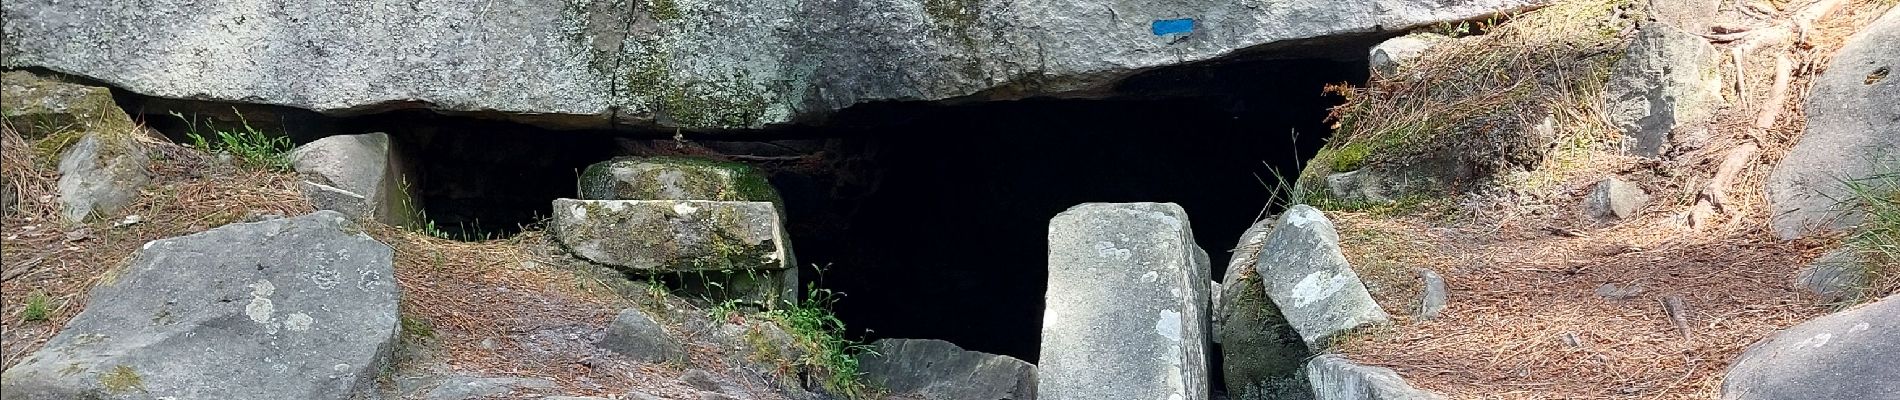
1463	103
121	379
417	328
829	354
251	147
1876	241
39	306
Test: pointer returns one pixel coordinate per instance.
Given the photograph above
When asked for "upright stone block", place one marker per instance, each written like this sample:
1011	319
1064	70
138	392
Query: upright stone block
1126	314
1307	276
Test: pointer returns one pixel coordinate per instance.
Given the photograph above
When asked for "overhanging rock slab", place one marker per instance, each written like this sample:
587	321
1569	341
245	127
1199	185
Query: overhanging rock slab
681	63
1126	314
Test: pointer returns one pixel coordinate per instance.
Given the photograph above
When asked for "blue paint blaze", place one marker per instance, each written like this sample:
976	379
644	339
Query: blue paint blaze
1165	27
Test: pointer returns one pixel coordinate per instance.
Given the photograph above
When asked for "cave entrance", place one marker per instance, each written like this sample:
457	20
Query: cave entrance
950	240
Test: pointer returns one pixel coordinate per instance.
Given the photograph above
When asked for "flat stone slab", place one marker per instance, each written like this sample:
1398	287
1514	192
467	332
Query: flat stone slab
663	236
1845	355
1127	305
293	308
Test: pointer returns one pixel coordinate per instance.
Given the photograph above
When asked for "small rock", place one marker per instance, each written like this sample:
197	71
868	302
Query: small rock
1613	198
707	381
1836	278
1610	291
129	220
1435	296
100	174
637	335
1387	56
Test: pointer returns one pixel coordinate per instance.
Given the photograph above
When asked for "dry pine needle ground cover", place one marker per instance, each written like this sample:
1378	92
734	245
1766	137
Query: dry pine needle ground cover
1525	319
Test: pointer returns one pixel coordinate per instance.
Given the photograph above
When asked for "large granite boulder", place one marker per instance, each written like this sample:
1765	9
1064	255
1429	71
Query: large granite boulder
292	308
674	178
1846	355
1309	279
1261	354
1853	134
929	369
683	63
1667	85
361	176
722	249
1126	314
39	107
1334	377
100	174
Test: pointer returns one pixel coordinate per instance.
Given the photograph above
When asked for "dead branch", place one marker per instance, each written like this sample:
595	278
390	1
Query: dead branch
1713	199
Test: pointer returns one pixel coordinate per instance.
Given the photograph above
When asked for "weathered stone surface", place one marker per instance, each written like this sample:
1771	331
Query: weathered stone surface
99	174
650	236
293	308
1434	298
1306	275
1837	277
1667	84
674	178
358	175
1853	133
1261	354
938	370
636	334
1846	355
1386	57
1336	378
1613	198
38	107
1126	314
468	387
716	249
688	63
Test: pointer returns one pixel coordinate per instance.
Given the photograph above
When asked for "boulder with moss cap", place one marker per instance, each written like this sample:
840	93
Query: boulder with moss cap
674	178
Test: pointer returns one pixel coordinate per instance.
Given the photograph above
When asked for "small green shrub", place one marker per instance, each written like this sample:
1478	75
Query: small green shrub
39	306
251	147
829	353
417	328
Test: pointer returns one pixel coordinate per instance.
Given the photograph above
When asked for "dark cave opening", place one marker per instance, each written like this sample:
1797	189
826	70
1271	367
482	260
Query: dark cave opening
950	240
930	218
